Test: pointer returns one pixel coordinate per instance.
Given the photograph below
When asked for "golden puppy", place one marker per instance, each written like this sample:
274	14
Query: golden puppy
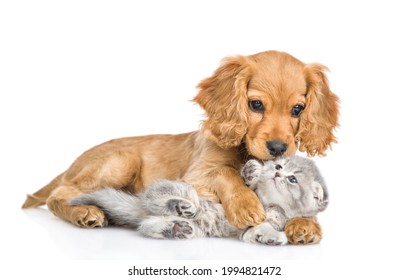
263	106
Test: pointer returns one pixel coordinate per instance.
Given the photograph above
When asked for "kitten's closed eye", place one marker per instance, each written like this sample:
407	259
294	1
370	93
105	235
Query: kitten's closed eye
278	167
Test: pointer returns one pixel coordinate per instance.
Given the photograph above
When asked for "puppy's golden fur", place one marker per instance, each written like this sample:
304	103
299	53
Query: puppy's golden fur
303	231
209	158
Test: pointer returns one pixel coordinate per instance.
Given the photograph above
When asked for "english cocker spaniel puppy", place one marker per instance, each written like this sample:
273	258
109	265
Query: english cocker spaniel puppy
260	106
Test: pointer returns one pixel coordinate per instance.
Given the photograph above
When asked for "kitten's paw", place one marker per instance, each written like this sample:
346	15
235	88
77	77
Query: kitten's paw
167	227
265	234
179	230
272	238
251	172
303	231
182	208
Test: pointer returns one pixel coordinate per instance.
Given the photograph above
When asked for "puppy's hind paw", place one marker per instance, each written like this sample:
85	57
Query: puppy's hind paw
88	216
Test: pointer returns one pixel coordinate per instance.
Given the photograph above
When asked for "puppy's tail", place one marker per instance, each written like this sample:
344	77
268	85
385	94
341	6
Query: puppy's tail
40	197
120	208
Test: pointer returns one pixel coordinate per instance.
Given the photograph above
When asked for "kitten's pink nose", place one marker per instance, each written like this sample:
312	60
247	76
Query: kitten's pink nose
277	174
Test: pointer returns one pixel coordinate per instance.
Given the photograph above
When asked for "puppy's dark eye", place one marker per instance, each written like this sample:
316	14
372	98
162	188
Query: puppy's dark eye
297	110
278	167
256	106
292	179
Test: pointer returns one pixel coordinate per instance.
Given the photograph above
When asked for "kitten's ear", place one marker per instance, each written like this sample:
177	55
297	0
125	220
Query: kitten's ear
321	195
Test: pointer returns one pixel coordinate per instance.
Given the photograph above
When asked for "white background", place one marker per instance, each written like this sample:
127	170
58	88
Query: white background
74	74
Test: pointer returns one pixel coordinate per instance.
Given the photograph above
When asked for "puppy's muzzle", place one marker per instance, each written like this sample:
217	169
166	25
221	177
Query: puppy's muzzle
276	148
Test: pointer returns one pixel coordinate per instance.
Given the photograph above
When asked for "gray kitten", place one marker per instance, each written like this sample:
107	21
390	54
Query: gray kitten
288	187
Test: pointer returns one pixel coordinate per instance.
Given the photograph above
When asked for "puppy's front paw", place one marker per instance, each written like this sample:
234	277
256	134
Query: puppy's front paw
244	209
251	172
303	231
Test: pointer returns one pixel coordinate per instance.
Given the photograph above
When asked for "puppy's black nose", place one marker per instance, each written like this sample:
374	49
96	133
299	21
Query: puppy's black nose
276	148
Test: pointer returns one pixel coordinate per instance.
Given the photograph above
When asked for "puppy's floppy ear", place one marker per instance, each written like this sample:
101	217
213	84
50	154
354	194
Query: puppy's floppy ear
223	97
320	116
